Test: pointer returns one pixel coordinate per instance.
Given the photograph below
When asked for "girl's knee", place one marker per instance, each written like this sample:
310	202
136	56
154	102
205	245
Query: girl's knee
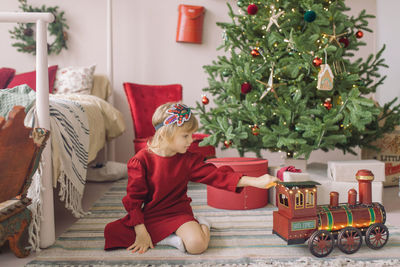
196	245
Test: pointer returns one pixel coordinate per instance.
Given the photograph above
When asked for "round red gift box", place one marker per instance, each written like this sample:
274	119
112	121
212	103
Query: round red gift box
250	197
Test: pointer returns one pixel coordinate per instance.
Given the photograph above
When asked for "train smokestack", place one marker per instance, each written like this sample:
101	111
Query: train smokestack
334	199
352	197
365	178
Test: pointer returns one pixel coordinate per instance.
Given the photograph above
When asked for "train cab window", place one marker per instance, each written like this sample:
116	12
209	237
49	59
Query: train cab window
310	199
299	200
283	200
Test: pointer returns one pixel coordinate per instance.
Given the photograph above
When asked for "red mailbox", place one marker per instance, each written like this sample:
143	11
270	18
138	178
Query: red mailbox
190	24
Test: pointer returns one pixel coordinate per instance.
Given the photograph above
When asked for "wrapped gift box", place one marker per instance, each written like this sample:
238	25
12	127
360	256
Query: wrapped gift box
389	154
250	197
345	171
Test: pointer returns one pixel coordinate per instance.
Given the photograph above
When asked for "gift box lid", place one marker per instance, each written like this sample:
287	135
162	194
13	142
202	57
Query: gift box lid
241	164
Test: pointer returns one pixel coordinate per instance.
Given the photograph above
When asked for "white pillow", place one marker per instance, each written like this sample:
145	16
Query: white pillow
76	80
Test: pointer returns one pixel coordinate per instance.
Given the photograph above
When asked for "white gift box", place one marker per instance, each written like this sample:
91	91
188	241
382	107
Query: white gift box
343	188
345	171
296	176
318	172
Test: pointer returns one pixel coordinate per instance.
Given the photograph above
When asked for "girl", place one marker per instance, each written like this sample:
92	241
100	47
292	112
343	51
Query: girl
158	207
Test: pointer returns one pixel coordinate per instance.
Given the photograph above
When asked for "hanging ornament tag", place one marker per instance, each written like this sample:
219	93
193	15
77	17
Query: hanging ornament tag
325	78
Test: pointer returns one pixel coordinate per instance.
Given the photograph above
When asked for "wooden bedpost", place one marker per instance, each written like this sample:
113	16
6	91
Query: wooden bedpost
47	229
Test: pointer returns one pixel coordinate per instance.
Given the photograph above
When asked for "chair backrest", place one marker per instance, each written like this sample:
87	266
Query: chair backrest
20	150
143	101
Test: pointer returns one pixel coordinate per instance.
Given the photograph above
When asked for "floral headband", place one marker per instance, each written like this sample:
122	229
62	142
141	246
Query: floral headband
179	114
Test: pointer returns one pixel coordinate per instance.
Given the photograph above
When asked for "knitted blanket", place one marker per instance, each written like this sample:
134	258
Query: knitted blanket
69	134
21	95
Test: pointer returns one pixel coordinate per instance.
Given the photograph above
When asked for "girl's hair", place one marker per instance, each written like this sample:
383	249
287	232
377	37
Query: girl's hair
166	132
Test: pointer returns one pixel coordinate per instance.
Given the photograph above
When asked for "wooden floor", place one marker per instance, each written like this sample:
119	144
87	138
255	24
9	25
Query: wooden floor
93	191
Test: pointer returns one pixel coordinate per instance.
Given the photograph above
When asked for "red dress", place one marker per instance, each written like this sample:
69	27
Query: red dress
157	194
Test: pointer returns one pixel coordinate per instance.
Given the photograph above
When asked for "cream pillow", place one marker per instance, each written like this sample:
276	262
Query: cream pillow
74	80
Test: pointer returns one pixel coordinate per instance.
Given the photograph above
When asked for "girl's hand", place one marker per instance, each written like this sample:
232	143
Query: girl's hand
267	181
143	240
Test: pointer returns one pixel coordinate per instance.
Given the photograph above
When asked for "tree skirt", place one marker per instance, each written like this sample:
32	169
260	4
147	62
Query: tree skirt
238	238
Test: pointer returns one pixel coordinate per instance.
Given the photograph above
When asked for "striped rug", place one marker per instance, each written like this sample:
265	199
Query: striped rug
238	238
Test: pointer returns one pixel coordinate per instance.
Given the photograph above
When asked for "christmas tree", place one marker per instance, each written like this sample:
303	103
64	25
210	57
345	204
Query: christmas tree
289	81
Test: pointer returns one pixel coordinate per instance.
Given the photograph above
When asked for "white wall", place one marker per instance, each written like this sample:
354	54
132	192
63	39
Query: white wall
145	50
387	33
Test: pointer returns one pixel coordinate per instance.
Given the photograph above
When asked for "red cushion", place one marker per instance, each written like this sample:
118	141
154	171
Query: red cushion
29	78
143	101
6	75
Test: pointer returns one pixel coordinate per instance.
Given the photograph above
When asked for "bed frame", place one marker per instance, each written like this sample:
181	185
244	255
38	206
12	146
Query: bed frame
47	229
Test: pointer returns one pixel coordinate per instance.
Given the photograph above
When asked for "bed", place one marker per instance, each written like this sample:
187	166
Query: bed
80	126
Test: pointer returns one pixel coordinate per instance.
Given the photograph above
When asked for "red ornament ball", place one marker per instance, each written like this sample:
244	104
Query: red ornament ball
255	52
245	88
205	100
227	143
359	34
317	62
252	9
255	130
344	41
328	104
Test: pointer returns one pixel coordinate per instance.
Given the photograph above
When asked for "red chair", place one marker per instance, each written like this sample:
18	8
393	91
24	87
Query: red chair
143	101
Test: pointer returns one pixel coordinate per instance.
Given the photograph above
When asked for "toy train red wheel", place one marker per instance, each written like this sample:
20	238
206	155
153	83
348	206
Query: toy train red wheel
321	243
349	240
377	236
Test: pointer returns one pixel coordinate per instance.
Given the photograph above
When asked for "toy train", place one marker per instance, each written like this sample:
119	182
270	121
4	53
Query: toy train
299	218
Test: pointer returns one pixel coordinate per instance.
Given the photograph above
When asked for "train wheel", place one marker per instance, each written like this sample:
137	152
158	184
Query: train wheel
376	236
321	243
349	240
